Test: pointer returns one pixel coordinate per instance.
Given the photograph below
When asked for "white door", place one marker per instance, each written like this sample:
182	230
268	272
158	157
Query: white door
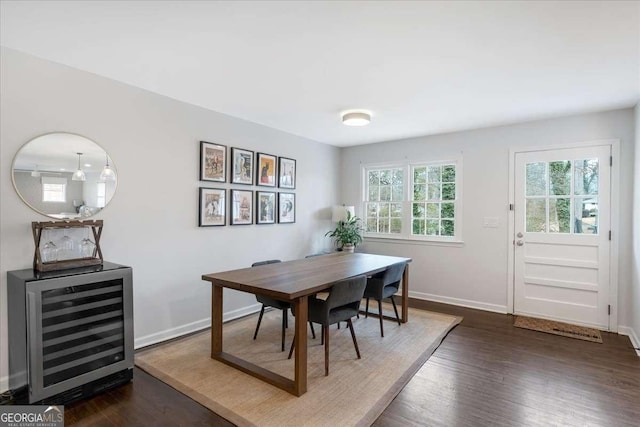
562	237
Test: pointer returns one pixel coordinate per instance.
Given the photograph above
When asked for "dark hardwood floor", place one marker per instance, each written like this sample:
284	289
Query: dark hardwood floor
485	373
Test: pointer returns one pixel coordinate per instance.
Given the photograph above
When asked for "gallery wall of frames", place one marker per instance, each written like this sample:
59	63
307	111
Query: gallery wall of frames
250	182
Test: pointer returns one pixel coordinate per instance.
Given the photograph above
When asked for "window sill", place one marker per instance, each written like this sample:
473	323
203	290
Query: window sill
419	242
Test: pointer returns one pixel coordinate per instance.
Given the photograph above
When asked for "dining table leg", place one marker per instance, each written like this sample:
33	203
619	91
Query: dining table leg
216	320
300	367
405	294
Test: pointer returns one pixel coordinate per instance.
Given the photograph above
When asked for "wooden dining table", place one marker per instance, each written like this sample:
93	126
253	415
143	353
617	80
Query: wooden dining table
293	281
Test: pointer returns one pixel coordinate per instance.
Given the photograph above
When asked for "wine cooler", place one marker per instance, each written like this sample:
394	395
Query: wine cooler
70	332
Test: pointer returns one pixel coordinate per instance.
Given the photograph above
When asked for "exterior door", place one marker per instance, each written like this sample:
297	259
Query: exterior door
562	237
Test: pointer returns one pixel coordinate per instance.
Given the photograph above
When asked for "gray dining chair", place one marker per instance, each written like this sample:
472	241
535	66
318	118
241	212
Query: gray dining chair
342	304
384	285
272	302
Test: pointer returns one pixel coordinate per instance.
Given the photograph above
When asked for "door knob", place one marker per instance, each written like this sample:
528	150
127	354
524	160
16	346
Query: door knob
520	235
520	242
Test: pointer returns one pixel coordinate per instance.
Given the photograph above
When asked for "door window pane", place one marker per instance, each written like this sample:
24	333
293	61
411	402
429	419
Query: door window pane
586	176
559	215
560	178
586	215
536	215
536	179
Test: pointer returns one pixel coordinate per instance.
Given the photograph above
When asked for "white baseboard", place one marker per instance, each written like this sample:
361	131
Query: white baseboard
502	309
628	331
193	327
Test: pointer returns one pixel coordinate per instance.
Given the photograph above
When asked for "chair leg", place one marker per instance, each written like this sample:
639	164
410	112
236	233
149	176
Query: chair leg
393	301
326	351
293	344
286	318
313	331
380	311
284	325
366	313
255	334
322	335
353	336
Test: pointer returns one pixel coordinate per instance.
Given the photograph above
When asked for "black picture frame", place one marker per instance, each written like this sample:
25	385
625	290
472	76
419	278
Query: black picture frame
241	207
241	166
265	207
286	208
213	162
212	207
286	173
266	173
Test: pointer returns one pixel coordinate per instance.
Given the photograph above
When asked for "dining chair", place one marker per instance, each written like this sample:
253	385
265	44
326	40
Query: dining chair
342	304
272	302
384	285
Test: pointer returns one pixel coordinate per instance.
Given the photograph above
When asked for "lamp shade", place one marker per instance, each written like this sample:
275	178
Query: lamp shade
339	213
79	174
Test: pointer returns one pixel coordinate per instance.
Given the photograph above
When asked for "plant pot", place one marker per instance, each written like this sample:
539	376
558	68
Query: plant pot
348	248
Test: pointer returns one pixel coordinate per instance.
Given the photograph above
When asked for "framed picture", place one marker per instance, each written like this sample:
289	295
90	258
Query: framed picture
242	166
286	208
241	207
213	162
287	173
213	207
266	203
266	170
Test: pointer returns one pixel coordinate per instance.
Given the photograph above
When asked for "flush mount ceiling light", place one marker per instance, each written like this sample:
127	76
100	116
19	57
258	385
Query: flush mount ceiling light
356	118
79	174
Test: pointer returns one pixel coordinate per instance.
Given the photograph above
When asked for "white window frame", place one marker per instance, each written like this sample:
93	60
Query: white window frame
101	194
407	211
60	183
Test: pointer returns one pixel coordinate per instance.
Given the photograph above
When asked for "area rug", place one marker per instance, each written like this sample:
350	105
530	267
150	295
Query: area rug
558	328
354	394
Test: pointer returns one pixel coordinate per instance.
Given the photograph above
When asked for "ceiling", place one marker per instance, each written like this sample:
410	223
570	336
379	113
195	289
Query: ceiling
421	68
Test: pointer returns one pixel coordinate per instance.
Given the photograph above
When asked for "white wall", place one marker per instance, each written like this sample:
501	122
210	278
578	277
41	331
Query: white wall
151	223
475	273
634	322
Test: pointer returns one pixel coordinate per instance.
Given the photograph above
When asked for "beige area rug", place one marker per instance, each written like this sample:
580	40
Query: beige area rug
354	394
558	328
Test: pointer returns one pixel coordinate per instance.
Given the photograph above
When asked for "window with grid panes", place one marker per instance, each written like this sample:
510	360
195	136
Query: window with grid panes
54	193
383	200
433	200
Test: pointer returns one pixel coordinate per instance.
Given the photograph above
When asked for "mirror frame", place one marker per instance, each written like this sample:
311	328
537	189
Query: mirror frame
15	186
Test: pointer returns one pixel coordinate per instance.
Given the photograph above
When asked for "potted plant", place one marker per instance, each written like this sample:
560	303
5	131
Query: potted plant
348	233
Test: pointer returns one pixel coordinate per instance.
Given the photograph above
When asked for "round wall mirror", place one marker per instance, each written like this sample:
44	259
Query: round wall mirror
64	176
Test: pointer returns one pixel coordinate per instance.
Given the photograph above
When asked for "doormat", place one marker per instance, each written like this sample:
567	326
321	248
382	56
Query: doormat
558	328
